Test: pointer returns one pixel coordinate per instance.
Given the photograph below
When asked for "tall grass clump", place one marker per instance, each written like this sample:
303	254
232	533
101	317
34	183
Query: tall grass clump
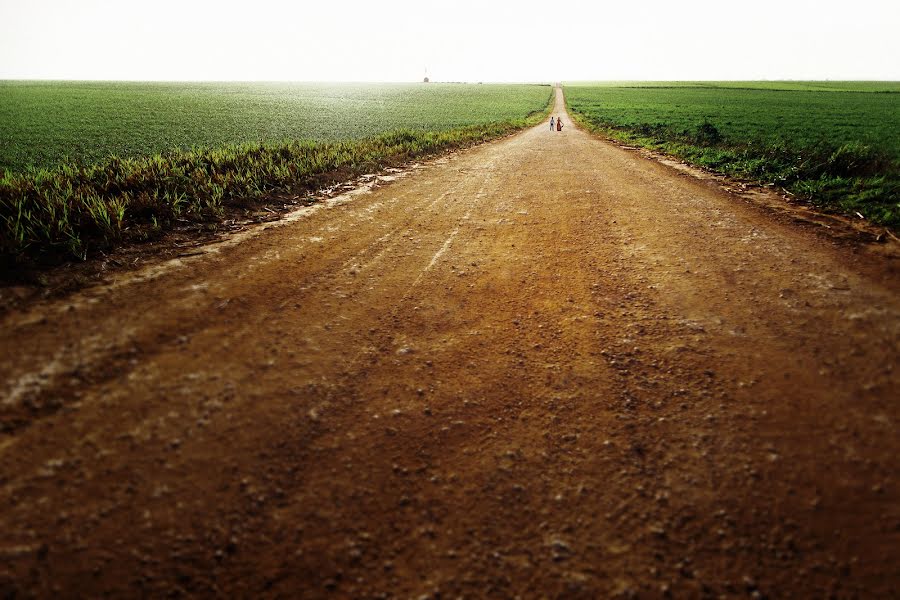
849	177
51	215
835	144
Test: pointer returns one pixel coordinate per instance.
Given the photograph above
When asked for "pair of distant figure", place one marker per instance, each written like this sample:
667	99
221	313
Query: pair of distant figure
558	123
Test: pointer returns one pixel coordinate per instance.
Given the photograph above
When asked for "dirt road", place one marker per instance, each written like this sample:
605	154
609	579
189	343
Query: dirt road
543	367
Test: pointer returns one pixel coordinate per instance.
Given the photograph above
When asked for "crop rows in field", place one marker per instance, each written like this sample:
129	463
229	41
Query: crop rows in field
788	86
44	123
836	143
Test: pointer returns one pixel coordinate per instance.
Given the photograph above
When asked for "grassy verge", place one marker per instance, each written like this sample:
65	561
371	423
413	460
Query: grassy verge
72	211
835	175
850	178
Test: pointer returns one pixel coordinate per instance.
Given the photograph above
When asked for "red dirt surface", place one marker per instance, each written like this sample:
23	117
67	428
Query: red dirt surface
543	367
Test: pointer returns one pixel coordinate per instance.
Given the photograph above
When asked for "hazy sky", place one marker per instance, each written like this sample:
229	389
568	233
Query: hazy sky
463	40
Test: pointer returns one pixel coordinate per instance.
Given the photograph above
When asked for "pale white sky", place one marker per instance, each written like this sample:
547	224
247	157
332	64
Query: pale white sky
462	40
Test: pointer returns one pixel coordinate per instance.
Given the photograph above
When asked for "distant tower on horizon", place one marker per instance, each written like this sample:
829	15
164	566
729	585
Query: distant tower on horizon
426	80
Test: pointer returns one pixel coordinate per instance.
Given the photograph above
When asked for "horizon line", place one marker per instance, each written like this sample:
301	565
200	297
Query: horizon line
471	82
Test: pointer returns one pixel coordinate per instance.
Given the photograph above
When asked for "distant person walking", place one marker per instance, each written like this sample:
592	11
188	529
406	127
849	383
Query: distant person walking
559	123
551	123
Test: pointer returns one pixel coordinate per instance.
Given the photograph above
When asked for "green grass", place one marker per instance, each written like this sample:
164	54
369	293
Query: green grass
43	124
836	144
73	209
809	86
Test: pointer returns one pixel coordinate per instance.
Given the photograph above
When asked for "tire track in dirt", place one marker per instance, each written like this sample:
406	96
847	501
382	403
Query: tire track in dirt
544	366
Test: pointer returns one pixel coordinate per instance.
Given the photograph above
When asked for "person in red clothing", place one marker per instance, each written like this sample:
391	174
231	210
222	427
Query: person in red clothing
559	123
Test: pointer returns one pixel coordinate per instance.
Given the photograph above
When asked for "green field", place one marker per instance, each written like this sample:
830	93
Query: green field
835	143
44	123
88	166
809	86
